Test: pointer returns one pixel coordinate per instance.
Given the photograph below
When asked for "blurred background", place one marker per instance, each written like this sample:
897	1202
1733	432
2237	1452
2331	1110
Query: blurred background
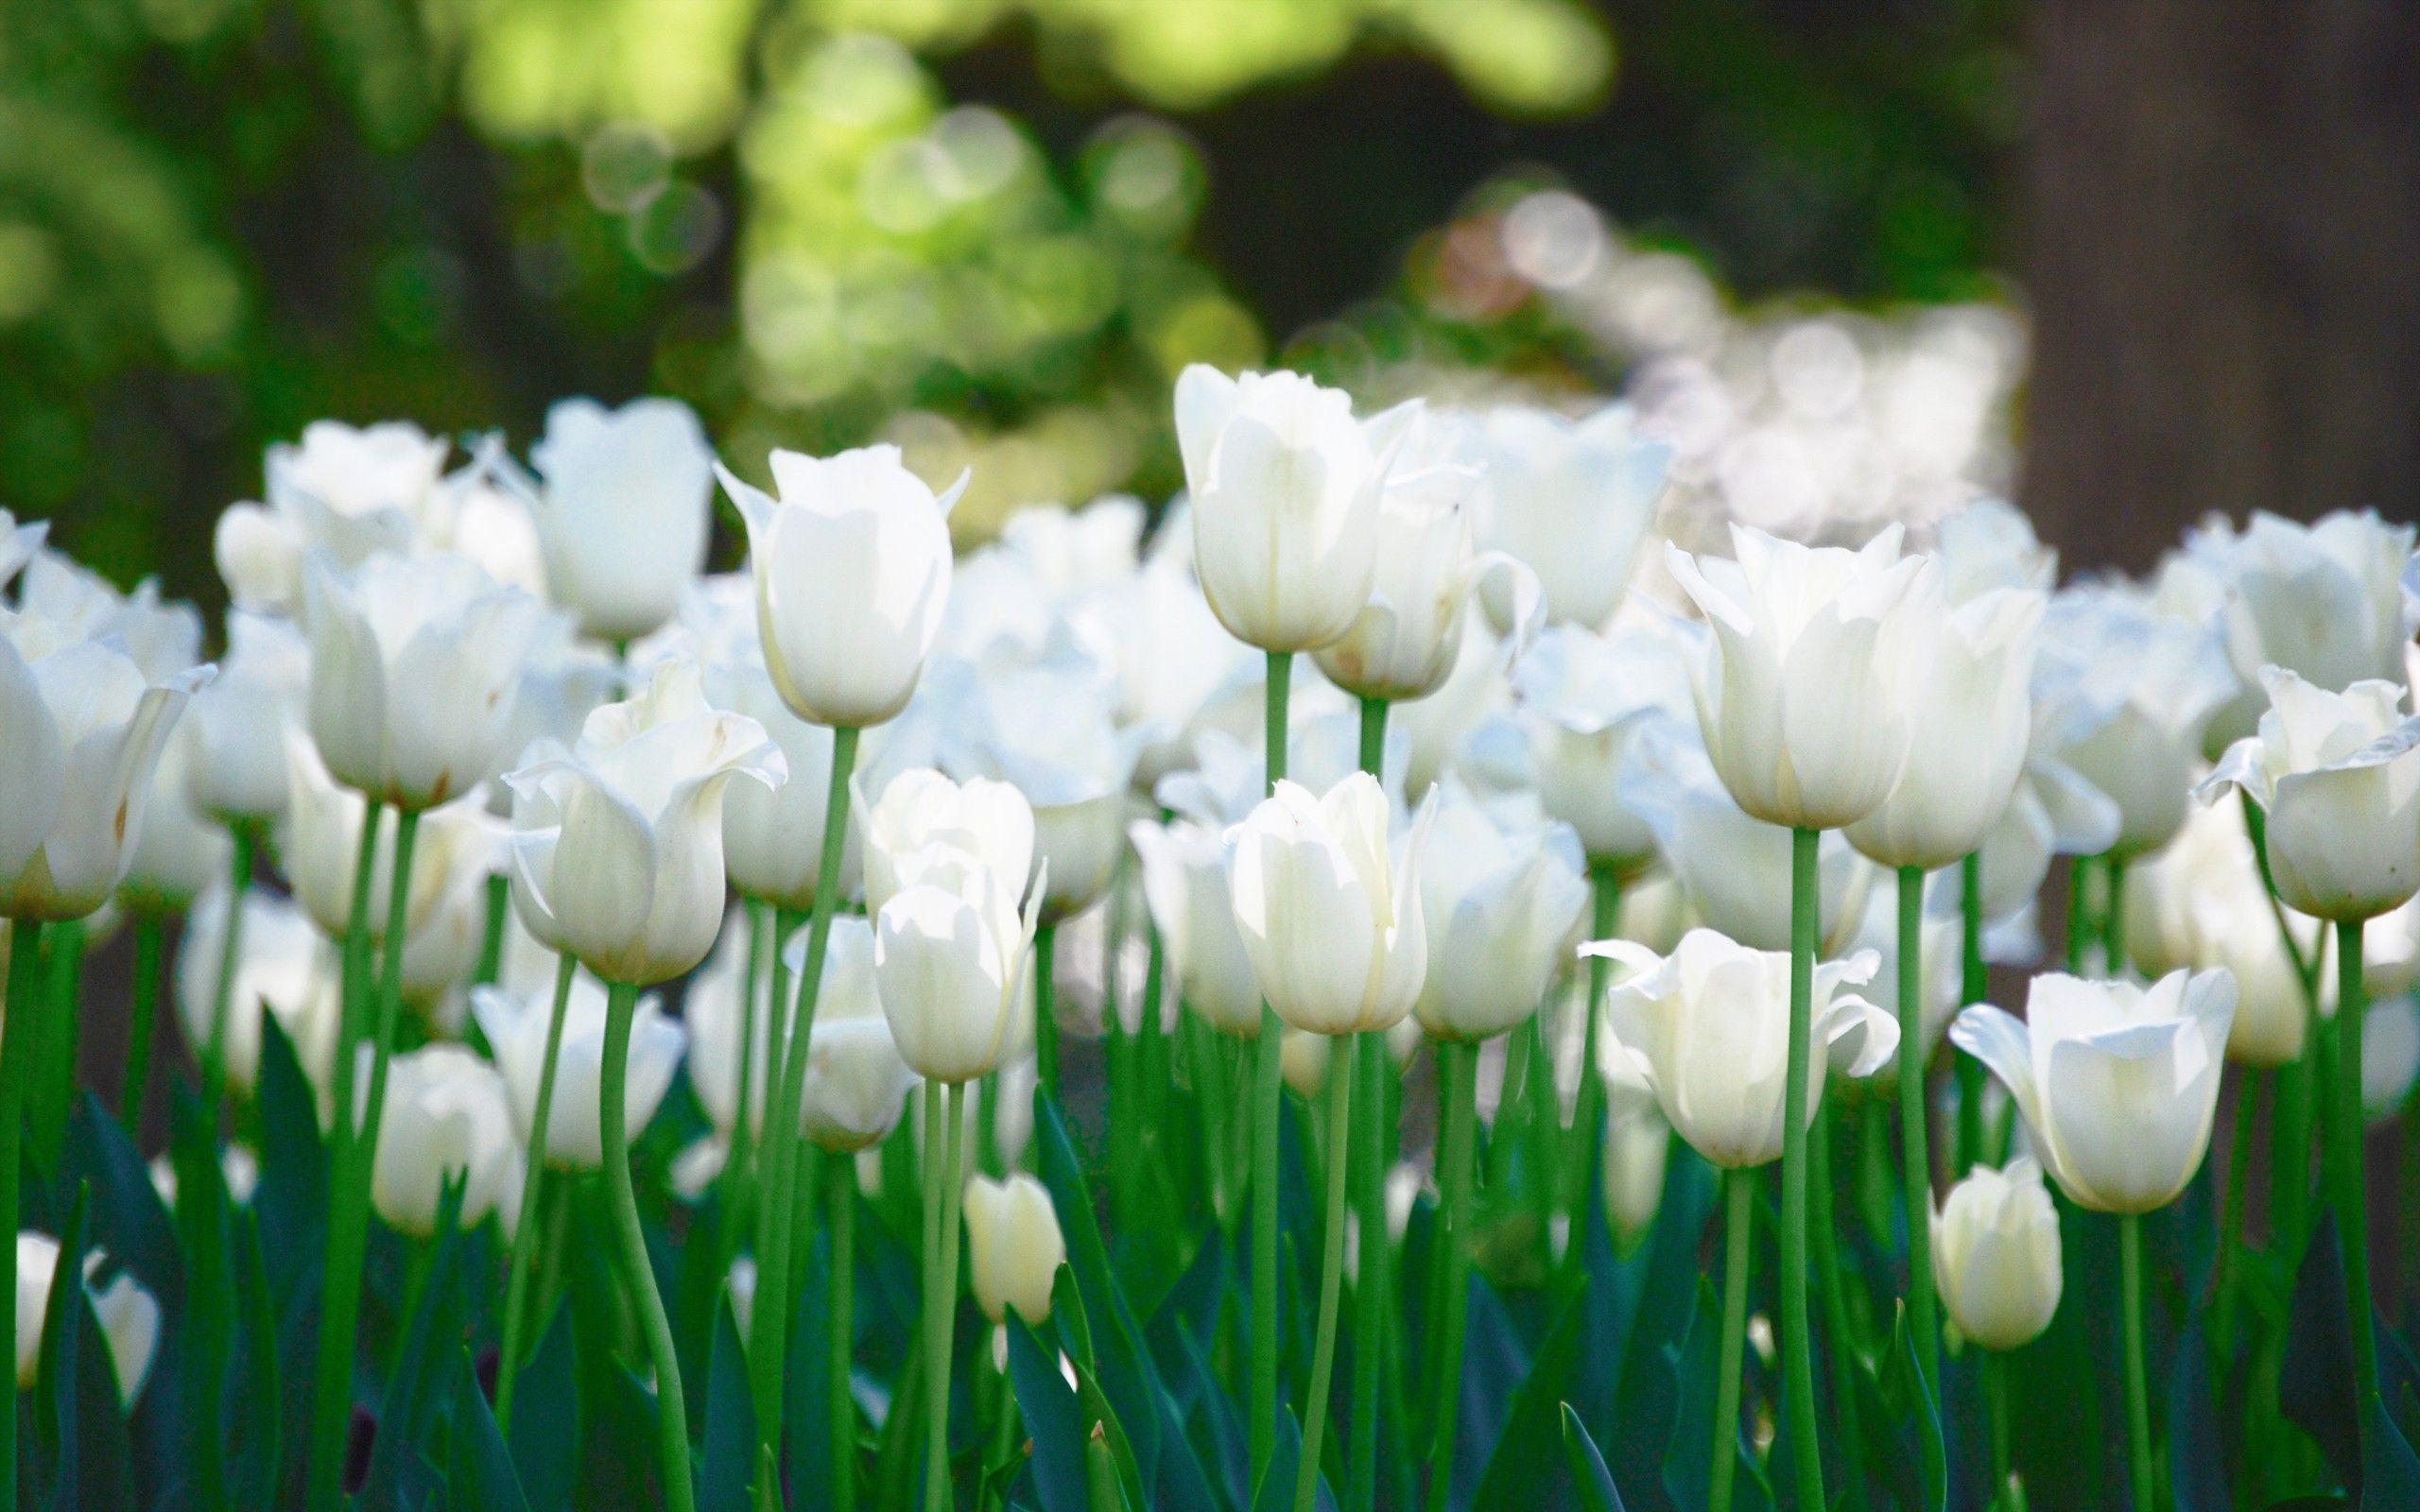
2130	260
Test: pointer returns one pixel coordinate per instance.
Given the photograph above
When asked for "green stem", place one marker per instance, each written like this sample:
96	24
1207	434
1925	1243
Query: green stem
840	1356
1913	1126
777	1199
1798	1364
1588	1114
2138	1413
2232	1214
230	955
1266	1090
499	905
940	1298
357	1147
1995	1373
2113	918
1458	1079
1045	1009
2078	912
143	1031
1739	1228
25	988
1339	1134
736	1185
2290	1155
672	1411
1004	1433
1972	986
2347	1180
1824	1239
1370	1285
533	1178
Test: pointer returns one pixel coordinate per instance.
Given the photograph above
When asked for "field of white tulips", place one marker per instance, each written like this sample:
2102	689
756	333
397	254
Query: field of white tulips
1380	983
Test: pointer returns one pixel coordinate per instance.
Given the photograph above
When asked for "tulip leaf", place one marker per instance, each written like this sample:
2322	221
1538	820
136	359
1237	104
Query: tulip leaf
130	1223
2315	1389
479	1476
292	1197
1696	1366
1122	1362
1644	1409
54	1373
1276	1490
411	1401
806	1406
544	1426
1053	1422
1521	1466
727	1458
1593	1483
2197	1462
258	1448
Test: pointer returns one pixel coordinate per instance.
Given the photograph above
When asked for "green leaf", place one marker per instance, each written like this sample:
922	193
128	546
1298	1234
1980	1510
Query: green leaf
292	1196
1589	1477
1688	1460
130	1223
415	1392
1053	1422
546	1421
479	1476
1521	1468
56	1418
2316	1388
728	1456
256	1375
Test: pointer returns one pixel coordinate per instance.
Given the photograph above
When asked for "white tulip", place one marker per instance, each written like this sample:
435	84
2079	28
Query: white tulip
1332	922
2117	1083
1501	894
239	720
1973	720
1807	693
164	639
951	955
2389	1057
1186	869
1076	552
318	841
617	842
1170	655
181	850
1572	498
2052	812
852	566
413	666
1584	698
2199	903
1988	546
712	1009
81	729
129	1316
444	1120
356	492
1013	1248
516	1029
1638	1147
1995	1255
1285	488
856	1082
287	967
921	808
486	510
625	512
2339	776
1707	1029
1939	993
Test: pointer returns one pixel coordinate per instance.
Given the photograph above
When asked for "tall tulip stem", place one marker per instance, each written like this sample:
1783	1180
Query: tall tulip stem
944	1133
1267	1086
142	1029
1797	1345
844	1332
356	1159
1913	1141
525	1231
230	955
1045	1007
1972	986
1739	1228
1370	1286
499	908
25	989
2347	1179
1340	1140
1588	1112
1457	1085
777	1191
672	1410
2138	1411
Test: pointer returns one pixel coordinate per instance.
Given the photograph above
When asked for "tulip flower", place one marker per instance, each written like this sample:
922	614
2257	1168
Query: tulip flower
919	809
1501	895
180	851
238	723
722	1003
128	1314
349	492
1583	700
952	946
318	841
1332	924
445	1120
413	664
486	510
517	1030
855	1078
1995	1255
1013	1246
288	968
1186	886
625	511
617	842
853	568
1575	499
1285	488
1171	658
2199	903
1639	1145
1988	546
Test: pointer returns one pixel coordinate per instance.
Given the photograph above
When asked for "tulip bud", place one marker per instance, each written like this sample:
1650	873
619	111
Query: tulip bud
856	1083
1285	488
413	666
1707	1029
1808	692
516	1029
1185	869
1013	1248
1995	1255
1572	498
2117	1083
921	808
951	953
129	1316
1332	924
625	512
1302	1059
852	569
618	843
444	1120
2339	776
259	556
1501	895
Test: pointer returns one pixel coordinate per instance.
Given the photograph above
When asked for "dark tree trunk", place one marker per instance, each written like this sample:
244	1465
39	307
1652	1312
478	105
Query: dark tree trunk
2223	262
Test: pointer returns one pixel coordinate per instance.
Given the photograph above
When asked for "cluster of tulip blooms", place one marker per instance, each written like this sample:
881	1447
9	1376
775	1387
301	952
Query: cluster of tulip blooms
566	933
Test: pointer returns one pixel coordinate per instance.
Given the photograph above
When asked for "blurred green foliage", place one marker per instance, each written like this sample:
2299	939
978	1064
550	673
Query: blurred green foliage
992	229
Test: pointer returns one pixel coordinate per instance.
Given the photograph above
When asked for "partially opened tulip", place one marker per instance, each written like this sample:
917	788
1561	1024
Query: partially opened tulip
856	1081
1995	1255
1013	1248
1501	895
1331	919
352	492
1585	699
922	808
851	565
413	666
445	1120
129	1316
516	1029
2199	903
623	512
1285	487
239	722
1186	883
1575	499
